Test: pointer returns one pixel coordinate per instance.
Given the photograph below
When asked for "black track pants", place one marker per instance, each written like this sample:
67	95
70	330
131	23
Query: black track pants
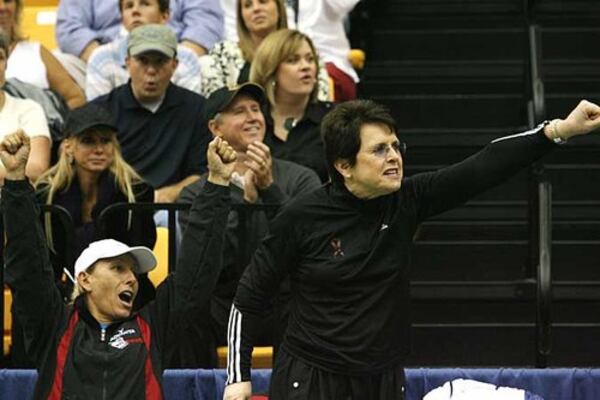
292	379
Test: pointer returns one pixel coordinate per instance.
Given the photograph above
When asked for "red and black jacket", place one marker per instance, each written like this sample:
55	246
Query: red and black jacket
75	357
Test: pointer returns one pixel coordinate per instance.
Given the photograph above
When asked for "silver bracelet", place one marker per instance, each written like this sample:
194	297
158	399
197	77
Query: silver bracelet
554	132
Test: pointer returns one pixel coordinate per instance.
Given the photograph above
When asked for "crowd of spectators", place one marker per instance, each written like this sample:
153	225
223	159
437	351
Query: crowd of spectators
147	68
163	101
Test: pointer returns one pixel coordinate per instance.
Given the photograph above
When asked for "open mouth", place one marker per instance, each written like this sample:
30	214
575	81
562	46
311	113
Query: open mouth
126	297
391	172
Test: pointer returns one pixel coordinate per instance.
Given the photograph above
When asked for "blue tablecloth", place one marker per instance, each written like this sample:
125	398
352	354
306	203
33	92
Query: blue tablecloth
551	384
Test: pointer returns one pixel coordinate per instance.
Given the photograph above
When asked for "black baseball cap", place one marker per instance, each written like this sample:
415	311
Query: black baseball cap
220	99
86	117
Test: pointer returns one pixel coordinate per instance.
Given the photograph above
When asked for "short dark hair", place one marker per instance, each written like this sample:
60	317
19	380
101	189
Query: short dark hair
340	131
163	5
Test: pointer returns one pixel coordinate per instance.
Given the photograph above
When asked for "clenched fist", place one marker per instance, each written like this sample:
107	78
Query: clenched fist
14	152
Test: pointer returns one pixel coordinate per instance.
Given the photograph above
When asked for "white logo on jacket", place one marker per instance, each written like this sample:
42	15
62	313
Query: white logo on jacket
117	340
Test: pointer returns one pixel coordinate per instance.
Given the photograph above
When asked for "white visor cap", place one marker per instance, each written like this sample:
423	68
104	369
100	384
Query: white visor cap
108	248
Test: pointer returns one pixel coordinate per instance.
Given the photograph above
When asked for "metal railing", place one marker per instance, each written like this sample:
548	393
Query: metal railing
540	197
544	277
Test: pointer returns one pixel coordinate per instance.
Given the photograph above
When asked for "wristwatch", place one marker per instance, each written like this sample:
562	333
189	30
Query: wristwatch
553	131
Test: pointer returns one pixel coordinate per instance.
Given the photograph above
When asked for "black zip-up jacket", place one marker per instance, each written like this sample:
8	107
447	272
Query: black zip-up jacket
75	358
348	263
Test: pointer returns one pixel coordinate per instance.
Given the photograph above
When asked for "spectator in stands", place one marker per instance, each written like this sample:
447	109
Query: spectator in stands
323	22
31	62
106	68
160	125
235	115
286	65
91	175
346	250
230	18
98	346
83	25
228	63
23	115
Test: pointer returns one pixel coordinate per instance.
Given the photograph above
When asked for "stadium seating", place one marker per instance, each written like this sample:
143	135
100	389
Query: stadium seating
455	74
38	21
7	320
161	251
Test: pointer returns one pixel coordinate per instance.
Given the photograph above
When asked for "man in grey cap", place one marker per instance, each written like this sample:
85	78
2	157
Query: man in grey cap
161	127
152	51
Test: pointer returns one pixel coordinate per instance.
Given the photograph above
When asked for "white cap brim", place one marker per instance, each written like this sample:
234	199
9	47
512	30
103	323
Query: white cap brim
109	248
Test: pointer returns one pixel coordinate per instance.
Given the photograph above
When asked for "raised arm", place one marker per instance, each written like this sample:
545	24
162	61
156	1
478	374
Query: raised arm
74	32
200	24
60	81
37	302
448	187
199	261
190	287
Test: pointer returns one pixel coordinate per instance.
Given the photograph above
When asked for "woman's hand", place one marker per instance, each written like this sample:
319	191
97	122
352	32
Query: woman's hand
14	152
238	391
583	119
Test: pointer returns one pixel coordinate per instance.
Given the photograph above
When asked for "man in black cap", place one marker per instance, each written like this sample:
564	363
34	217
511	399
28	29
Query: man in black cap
235	115
161	129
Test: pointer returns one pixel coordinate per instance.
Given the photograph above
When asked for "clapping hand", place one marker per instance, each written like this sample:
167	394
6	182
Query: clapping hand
261	164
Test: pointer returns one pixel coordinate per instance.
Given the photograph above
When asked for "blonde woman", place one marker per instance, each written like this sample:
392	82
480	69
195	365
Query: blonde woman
286	65
89	176
228	63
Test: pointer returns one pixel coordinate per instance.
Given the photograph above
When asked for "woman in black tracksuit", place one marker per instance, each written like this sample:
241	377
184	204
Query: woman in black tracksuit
346	250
